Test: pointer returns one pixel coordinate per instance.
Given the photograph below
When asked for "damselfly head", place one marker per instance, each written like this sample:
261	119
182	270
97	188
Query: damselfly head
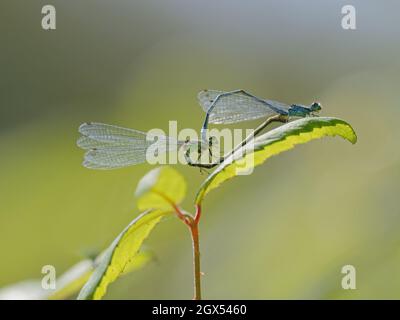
315	107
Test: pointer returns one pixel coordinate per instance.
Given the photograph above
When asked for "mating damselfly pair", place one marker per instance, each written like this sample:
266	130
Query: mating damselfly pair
110	146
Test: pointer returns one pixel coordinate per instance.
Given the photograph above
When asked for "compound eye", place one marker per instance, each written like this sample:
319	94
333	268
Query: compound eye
316	106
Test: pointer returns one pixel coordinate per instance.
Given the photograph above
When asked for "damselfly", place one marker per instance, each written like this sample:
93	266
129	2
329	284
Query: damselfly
227	107
110	147
237	106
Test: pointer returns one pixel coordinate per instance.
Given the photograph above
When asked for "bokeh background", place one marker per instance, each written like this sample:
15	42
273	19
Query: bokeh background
283	232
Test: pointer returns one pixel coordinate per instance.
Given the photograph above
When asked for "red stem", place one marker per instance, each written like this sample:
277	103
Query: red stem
198	214
193	224
194	230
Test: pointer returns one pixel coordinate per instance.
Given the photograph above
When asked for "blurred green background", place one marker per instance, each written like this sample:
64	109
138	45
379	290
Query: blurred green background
283	232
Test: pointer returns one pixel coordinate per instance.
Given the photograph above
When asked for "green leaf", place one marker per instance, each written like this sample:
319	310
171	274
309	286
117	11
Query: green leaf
141	259
161	188
120	255
74	278
274	142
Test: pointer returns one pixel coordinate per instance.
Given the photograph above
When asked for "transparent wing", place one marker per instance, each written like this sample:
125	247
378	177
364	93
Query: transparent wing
113	157
114	147
207	97
107	133
238	106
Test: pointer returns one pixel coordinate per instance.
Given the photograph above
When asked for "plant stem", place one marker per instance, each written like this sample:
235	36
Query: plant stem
193	224
194	230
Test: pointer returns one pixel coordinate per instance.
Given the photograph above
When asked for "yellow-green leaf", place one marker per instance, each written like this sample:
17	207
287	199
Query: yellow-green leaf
73	280
120	255
160	189
141	259
274	142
